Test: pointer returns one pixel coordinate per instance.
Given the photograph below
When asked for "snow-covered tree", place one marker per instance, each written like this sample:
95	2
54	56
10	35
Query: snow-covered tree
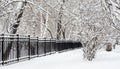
95	28
113	8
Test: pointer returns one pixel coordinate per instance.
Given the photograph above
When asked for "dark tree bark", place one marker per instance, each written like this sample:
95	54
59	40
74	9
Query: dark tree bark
109	47
60	30
63	33
14	29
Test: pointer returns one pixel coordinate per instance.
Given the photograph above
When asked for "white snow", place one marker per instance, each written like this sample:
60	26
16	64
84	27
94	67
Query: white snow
71	60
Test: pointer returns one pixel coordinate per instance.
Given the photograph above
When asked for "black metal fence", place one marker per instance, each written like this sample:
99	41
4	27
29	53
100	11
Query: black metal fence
15	48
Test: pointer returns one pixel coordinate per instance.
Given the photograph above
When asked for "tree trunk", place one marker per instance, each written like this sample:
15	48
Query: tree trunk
90	49
109	47
13	28
63	33
60	31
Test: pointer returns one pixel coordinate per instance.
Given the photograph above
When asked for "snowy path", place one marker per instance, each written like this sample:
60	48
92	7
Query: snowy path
70	60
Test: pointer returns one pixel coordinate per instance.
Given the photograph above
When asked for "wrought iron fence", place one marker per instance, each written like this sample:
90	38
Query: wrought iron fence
15	48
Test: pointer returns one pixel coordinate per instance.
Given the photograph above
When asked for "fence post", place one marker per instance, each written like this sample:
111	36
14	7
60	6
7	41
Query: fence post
29	47
45	46
2	49
18	51
50	46
56	46
37	46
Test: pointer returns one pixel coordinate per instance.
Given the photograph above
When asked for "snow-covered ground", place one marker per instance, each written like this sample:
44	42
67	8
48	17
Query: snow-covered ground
71	60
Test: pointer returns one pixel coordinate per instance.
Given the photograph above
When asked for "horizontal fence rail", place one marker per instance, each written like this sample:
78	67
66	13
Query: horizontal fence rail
15	48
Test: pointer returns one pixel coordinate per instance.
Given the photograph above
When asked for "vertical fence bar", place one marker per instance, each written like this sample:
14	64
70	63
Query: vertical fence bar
29	47
56	46
18	51
2	49
50	47
45	46
37	46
